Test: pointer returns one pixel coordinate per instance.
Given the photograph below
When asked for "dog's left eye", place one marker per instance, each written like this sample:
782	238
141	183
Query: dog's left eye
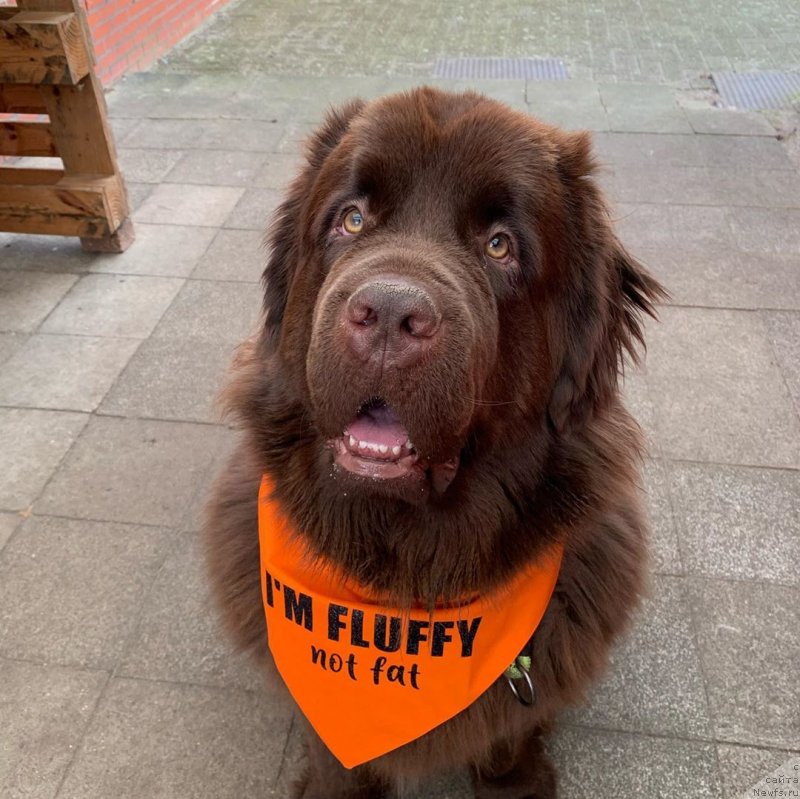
498	247
353	221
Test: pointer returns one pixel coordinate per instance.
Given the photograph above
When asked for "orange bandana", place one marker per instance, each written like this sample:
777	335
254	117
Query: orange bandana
371	678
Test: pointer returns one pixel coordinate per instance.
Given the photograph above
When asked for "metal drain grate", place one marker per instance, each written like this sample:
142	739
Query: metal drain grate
518	68
758	89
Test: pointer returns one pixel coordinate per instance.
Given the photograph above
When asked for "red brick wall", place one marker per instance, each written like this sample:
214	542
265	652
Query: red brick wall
132	34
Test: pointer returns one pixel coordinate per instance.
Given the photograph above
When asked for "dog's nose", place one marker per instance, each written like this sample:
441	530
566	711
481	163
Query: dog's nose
392	319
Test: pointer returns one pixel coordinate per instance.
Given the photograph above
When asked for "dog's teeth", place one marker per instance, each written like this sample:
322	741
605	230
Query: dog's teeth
383	449
363	445
374	447
409	444
396	450
353	441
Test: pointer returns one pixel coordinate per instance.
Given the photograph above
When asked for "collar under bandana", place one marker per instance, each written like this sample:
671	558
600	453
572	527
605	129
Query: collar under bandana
371	678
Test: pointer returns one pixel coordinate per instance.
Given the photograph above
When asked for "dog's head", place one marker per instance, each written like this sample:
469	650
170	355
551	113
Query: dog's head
443	283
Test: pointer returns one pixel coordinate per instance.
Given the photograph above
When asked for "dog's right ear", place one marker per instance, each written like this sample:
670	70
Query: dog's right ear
284	236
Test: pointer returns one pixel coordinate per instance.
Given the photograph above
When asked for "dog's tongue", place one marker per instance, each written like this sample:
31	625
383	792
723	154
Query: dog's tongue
379	425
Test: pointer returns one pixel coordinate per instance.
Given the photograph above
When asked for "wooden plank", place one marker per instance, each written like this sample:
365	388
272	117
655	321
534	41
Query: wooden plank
6	12
43	47
80	127
21	98
62	5
11	175
47	5
118	241
86	206
26	138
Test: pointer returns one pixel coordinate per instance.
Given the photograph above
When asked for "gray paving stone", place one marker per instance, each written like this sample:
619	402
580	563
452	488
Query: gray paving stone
147	165
784	333
209	96
70	591
32	442
665	553
278	170
509	91
738	522
160	250
214	311
63	372
43	254
26	298
596	764
636	396
254	210
140	471
195	510
121	126
308	98
655	681
218	168
717	392
747	633
643	109
237	255
138	94
184	204
178	637
570	104
171	378
724	121
205	134
293	761
743	152
762	230
725	277
741	767
295	133
684	227
227	96
113	305
195	742
724	152
647	149
138	193
9	344
704	186
45	711
8	523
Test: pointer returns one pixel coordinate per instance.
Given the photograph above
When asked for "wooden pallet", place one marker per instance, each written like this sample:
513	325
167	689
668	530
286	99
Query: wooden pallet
47	67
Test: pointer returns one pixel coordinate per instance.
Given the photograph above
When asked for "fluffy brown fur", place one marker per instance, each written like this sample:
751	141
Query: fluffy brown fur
520	388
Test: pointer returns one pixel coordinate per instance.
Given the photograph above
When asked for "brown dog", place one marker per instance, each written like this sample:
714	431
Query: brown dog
433	397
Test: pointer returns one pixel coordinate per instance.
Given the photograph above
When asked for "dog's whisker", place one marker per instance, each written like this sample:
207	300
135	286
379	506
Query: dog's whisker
476	401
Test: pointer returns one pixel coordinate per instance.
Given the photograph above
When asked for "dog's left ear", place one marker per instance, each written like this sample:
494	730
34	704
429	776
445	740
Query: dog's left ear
607	300
283	239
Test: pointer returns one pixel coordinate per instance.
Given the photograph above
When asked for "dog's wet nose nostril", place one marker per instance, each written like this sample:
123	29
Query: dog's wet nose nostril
392	316
422	323
359	312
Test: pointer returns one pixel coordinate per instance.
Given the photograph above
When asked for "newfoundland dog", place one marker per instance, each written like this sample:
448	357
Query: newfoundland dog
433	508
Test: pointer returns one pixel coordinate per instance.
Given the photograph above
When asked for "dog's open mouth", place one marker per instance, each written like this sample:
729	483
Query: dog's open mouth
377	445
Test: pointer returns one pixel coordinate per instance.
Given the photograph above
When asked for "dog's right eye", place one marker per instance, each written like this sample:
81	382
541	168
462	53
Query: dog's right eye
498	247
353	221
